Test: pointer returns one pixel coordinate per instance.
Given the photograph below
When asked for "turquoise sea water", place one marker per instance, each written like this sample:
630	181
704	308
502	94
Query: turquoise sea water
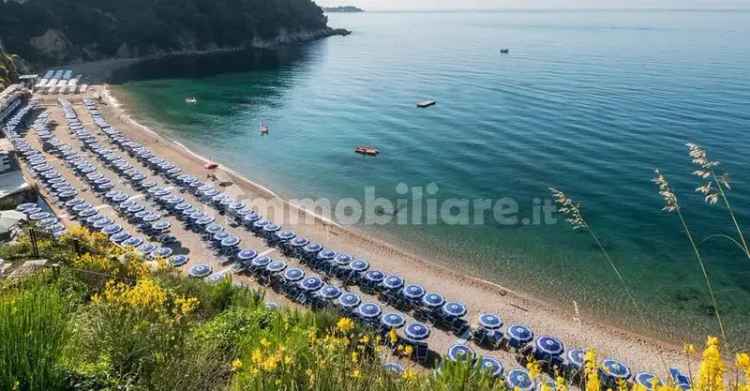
589	101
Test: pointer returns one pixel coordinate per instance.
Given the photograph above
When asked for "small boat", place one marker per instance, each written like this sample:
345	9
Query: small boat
191	100
263	128
426	104
504	51
366	150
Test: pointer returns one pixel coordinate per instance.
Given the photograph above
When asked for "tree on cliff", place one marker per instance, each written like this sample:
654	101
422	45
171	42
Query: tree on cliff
51	31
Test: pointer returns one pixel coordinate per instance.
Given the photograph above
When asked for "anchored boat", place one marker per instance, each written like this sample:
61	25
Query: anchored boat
264	128
191	100
426	104
367	150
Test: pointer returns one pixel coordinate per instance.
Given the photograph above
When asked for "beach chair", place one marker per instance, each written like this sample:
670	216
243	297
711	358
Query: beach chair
421	352
680	379
459	326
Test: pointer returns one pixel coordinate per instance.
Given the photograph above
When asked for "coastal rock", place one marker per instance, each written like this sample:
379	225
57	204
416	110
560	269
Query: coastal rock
52	43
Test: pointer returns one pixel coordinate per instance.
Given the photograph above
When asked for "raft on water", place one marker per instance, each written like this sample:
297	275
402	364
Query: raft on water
426	103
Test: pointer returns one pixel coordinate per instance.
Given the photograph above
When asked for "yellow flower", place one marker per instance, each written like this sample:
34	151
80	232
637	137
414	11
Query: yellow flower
534	369
560	384
711	371
392	336
364	340
345	325
409	375
264	342
591	372
355	357
743	361
236	364
356	374
408	350
256	357
689	348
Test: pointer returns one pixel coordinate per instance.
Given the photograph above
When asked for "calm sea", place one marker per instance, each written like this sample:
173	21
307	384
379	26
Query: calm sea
590	102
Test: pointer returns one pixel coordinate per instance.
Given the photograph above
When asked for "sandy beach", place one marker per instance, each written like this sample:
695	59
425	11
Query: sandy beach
574	329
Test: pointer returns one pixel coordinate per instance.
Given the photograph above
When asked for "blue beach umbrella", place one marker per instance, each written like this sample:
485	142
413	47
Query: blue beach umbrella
39	216
615	369
133	242
230	241
86	213
276	266
647	380
205	220
549	346
490	321
311	249
298	242
160	226
112	229
250	218
393	282
342	259
359	266
100	223
311	284
261	262
576	358
162	252
25	206
221	235
520	334
119	237
460	352
293	274
213	228
491	365
271	229
414	292
259	224
120	198
374	276
151	217
285	235
417	331
147	248
199	271
433	300
369	310
246	255
349	300
329	292
519	378
53	220
393	320
326	255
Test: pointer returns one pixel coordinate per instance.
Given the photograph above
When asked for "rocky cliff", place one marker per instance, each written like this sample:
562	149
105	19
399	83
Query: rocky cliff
50	32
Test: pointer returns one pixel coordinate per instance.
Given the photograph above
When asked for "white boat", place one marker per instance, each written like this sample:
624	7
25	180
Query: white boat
264	128
191	100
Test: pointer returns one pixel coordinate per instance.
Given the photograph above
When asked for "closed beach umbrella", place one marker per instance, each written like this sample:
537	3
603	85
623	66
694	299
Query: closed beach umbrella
179	260
369	310
393	320
615	369
490	321
329	292
246	255
349	300
276	266
417	331
374	276
414	292
311	284
460	352
433	300
359	266
293	274
261	262
491	365
647	380
519	379
393	282
199	271
576	358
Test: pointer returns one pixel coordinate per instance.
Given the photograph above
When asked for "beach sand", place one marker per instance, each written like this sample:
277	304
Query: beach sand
574	329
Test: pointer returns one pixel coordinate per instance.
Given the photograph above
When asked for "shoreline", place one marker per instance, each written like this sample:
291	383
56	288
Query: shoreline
574	329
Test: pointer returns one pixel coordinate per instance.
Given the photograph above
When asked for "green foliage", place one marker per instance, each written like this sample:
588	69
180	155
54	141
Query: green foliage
150	26
8	69
32	330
